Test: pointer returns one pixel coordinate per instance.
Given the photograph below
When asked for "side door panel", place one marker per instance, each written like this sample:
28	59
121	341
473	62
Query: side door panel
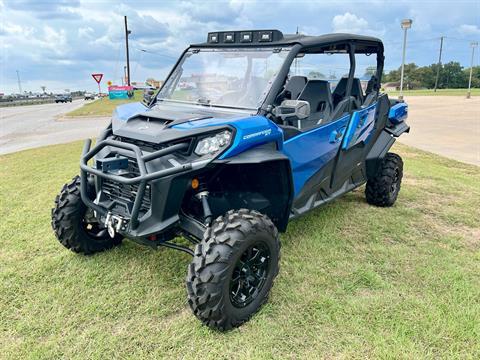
312	150
359	128
351	157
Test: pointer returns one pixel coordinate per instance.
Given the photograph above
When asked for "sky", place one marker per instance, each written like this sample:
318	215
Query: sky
59	44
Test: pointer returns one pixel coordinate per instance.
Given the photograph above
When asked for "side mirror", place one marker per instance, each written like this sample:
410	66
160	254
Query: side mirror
299	109
147	95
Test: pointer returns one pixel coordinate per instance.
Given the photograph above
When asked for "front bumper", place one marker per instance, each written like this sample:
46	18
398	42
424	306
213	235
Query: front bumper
152	179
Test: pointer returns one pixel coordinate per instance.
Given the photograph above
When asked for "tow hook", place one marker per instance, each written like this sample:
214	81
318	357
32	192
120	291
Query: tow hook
114	224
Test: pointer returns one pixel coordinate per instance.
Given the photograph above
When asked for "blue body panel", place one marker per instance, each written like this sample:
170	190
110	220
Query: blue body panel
311	150
398	113
126	111
360	127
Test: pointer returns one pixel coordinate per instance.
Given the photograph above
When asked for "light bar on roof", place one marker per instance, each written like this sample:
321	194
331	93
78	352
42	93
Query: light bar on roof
229	37
265	36
245	37
213	38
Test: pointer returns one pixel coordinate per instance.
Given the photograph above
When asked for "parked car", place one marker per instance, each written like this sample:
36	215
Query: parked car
63	98
89	96
229	169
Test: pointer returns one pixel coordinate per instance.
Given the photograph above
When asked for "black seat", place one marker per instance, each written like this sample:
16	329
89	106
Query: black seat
371	92
293	88
341	90
319	95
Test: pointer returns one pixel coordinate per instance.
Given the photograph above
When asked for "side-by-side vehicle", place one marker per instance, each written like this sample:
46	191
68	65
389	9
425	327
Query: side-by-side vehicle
250	130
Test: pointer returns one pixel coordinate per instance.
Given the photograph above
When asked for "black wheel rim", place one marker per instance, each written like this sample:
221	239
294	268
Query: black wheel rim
394	185
249	275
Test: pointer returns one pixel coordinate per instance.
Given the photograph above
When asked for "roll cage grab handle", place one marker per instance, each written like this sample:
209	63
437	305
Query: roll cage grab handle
131	151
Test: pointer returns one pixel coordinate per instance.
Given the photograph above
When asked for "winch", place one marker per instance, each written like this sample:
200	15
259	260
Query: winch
114	224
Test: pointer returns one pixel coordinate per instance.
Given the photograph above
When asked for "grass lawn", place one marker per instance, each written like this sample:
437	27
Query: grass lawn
430	92
103	106
355	281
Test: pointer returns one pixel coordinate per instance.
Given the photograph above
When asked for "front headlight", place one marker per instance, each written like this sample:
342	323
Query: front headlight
213	144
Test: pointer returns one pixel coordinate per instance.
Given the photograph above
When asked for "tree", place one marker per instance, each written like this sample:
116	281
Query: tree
43	87
475	76
452	76
315	75
370	71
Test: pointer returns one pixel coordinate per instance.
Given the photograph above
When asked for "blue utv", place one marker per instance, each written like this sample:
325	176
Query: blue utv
249	130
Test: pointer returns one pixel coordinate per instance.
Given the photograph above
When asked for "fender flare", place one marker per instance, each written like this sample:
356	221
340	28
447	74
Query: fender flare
264	154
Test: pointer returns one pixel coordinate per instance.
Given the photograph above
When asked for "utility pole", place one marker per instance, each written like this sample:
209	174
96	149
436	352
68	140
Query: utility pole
127	32
19	83
406	24
473	45
439	64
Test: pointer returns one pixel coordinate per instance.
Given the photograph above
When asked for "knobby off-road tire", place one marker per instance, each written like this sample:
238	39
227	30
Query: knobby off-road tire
382	190
238	250
71	227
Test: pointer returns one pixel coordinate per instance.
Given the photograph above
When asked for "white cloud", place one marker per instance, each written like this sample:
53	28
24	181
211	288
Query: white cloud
54	40
86	32
467	29
349	23
13	29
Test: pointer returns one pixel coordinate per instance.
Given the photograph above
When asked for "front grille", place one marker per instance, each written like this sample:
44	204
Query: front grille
143	145
125	194
152	147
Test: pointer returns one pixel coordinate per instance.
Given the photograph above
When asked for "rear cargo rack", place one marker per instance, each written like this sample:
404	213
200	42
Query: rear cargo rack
131	151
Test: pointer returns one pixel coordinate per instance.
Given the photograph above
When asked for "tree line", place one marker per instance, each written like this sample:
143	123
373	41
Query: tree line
451	76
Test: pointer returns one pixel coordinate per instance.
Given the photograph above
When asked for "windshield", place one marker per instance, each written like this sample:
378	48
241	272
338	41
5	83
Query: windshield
239	78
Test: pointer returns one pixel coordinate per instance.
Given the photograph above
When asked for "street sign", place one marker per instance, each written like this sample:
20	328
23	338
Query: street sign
119	92
97	77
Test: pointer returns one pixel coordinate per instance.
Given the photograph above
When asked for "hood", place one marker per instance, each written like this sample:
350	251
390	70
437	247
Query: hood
157	124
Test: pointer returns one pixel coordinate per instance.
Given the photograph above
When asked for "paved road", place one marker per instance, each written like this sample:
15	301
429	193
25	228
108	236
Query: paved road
445	125
25	127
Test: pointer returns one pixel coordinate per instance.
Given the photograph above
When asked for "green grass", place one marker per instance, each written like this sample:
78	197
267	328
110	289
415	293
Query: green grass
103	106
442	92
356	281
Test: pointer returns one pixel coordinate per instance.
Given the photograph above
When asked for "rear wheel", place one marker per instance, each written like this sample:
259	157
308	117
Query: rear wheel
382	190
74	224
233	269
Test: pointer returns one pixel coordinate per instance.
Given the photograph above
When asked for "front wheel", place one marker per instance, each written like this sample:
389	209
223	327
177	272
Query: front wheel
383	188
74	224
233	269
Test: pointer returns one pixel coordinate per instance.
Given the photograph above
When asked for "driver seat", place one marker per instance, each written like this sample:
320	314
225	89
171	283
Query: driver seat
293	88
319	96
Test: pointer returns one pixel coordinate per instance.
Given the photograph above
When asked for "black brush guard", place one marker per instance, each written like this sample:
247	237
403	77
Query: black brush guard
134	152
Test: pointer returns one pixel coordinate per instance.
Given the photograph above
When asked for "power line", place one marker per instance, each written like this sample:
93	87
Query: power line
156	53
454	38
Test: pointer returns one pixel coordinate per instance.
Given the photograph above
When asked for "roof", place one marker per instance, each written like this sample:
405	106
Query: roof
366	44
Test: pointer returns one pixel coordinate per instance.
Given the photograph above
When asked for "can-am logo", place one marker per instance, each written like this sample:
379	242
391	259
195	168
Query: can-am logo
259	133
